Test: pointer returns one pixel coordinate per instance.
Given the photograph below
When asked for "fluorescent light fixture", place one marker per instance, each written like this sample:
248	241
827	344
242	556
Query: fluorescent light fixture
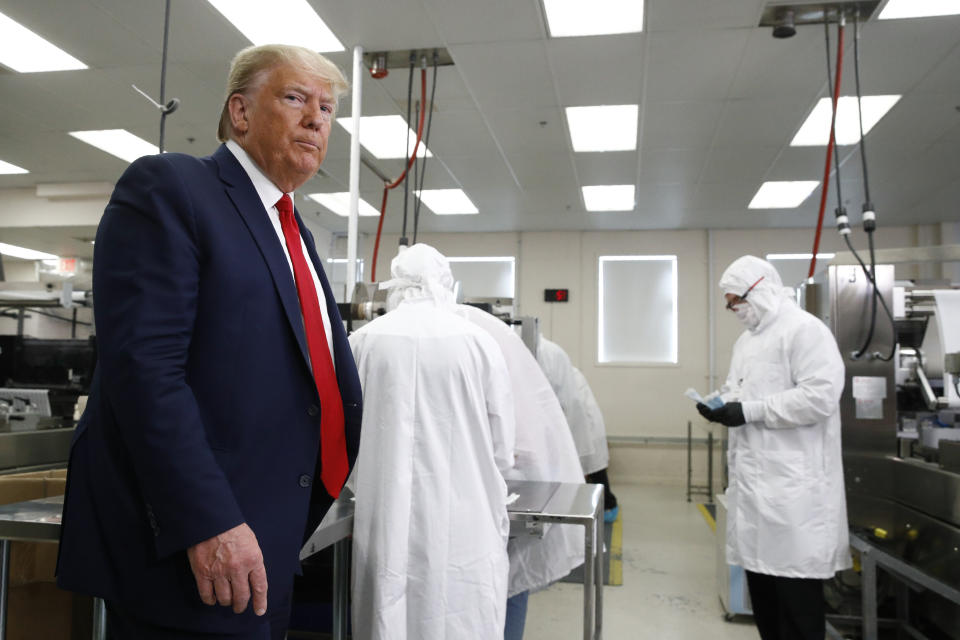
342	260
27	254
279	22
24	51
447	201
573	18
339	203
603	128
386	136
8	169
919	9
118	142
815	130
782	195
799	256
609	197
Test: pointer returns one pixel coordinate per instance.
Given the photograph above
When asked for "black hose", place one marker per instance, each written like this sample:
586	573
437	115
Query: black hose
406	179
836	152
873	303
426	141
856	74
876	293
416	171
163	75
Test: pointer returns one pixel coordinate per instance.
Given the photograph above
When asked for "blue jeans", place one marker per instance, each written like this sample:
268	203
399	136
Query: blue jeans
516	616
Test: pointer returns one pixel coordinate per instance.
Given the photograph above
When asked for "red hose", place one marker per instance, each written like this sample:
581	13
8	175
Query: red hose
395	183
826	169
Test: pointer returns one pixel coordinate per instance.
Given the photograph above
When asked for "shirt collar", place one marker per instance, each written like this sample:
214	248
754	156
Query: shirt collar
269	193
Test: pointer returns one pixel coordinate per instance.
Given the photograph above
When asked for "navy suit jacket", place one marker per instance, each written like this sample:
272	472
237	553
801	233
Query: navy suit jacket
203	412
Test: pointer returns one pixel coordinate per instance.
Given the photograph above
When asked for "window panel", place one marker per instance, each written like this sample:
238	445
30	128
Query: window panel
638	309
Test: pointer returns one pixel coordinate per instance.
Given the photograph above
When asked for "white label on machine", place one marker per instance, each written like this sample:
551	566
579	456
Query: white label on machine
869	387
868	395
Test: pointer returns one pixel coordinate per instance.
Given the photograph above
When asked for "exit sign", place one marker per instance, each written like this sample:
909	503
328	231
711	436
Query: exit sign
556	295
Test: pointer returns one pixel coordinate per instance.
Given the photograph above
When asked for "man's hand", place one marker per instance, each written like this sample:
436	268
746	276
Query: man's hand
730	414
228	567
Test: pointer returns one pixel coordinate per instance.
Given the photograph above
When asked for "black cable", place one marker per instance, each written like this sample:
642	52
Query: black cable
416	170
426	142
873	303
406	179
836	152
856	74
163	75
876	293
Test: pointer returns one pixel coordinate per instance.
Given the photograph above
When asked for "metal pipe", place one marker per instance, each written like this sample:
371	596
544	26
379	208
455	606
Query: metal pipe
711	316
869	594
341	567
4	585
99	619
352	222
589	577
689	458
598	566
710	467
929	397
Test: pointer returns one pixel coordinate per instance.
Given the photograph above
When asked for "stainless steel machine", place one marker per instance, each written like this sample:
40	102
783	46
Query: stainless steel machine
899	412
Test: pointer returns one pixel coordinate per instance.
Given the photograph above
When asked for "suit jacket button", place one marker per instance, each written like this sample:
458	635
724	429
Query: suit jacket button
313	410
305	481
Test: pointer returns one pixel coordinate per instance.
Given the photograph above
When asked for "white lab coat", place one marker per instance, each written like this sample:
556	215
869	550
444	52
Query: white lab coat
544	450
578	404
430	528
786	503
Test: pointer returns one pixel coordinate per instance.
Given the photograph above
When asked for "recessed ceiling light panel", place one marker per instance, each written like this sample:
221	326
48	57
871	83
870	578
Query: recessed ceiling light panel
279	22
24	51
782	195
567	18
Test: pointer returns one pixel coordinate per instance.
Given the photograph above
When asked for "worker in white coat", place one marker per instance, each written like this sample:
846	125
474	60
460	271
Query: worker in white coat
430	527
583	416
787	516
544	450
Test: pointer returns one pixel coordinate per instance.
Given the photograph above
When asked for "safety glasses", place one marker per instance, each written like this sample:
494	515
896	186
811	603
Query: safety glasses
739	299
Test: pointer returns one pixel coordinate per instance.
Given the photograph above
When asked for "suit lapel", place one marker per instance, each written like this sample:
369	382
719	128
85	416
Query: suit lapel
244	197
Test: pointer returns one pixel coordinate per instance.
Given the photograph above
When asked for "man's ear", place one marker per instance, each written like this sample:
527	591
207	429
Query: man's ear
238	106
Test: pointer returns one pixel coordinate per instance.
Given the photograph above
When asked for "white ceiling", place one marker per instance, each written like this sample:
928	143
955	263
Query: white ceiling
720	100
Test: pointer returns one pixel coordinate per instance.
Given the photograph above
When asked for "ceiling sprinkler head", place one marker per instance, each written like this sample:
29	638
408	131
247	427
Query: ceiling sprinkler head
379	68
785	28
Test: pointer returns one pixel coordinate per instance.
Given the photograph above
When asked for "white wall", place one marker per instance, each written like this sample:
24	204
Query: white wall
637	401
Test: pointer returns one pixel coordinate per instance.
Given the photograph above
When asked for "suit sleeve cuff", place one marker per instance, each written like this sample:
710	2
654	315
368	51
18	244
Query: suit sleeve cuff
753	410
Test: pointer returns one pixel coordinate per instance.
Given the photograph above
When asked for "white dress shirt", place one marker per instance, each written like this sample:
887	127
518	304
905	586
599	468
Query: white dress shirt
269	194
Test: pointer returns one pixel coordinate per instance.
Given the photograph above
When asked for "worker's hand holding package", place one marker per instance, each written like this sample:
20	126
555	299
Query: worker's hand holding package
729	414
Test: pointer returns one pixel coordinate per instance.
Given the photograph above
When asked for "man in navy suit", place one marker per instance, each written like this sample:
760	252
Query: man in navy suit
225	411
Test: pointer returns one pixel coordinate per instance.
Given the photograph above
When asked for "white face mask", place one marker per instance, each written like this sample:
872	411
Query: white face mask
747	315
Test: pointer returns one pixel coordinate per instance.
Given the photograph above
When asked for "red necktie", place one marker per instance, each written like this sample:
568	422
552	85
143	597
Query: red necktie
333	446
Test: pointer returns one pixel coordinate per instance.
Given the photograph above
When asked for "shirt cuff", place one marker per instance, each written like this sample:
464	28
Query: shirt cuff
752	410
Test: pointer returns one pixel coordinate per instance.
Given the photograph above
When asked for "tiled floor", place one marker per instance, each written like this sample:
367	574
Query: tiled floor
669	579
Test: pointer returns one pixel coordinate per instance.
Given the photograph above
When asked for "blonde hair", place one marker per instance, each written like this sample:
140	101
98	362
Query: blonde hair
251	65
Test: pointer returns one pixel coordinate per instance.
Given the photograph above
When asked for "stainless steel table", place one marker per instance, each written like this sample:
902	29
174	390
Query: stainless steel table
872	557
562	503
34	521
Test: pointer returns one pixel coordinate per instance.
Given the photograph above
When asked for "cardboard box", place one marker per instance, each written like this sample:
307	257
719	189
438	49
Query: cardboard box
36	607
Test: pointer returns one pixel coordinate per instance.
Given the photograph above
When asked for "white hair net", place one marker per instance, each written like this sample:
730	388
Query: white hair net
768	292
419	272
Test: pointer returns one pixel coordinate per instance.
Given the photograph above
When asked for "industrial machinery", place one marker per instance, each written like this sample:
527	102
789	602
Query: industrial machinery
899	412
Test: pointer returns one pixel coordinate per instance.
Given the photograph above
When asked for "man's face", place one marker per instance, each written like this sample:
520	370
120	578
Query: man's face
284	124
